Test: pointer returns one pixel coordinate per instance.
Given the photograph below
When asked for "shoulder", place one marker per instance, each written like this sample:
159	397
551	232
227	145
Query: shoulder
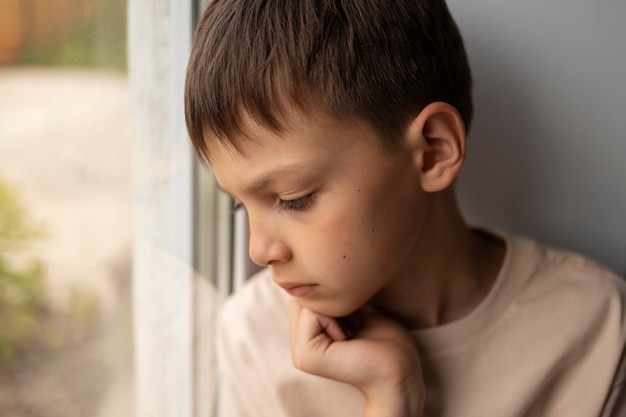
566	289
577	306
254	358
559	270
253	321
255	305
258	293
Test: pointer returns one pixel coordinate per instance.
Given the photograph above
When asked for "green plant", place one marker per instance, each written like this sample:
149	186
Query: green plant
22	294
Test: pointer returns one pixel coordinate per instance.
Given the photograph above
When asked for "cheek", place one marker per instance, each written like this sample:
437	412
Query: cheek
354	254
364	232
349	246
391	231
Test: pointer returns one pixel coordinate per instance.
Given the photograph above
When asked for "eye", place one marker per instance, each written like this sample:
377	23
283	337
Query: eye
298	204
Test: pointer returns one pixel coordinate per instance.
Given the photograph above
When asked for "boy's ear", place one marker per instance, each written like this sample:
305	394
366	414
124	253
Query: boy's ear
436	141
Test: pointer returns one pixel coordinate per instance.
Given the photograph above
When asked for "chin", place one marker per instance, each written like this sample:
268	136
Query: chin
329	309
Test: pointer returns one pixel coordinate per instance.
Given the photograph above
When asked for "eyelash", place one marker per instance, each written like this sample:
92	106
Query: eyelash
297	205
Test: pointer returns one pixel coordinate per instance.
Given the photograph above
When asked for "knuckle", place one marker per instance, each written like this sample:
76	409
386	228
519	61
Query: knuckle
302	362
298	361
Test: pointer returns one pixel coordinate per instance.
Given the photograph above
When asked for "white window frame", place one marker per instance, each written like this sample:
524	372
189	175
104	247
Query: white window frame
183	226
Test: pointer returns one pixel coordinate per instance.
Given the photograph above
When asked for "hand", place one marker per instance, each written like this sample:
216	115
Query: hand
367	350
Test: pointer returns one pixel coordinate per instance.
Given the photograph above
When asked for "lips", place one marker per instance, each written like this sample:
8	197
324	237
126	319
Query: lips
298	290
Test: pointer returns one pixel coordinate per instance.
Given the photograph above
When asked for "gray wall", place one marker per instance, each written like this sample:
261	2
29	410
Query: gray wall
547	147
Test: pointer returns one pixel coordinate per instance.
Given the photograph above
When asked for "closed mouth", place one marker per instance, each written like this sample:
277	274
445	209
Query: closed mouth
298	290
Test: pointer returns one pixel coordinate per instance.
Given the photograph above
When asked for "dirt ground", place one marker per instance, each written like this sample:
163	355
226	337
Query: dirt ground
65	142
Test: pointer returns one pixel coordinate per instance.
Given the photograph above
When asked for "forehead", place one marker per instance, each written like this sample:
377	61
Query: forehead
295	130
305	141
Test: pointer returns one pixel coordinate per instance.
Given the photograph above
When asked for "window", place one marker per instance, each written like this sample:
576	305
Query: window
66	341
183	226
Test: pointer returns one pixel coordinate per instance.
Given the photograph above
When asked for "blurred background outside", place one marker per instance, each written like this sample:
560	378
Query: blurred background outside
65	210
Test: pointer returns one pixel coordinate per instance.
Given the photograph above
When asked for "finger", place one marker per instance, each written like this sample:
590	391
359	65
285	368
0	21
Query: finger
313	336
307	339
333	328
306	324
315	329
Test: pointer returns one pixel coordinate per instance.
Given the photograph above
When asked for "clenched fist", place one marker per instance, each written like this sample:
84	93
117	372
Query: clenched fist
367	350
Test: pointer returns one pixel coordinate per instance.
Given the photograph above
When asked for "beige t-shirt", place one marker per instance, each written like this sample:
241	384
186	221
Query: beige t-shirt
546	341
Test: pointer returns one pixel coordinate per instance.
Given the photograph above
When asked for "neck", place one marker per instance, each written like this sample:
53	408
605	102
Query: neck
447	273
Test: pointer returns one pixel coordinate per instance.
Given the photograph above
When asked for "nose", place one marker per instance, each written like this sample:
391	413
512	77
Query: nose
266	245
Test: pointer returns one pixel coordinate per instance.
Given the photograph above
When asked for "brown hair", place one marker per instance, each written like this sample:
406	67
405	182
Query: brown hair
378	60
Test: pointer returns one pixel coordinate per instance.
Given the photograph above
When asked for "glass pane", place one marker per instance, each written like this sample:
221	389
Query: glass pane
66	344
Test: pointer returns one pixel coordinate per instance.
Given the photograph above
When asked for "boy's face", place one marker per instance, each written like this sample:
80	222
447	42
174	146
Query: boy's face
333	215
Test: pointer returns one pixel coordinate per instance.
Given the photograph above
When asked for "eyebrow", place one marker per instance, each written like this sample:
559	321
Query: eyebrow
269	177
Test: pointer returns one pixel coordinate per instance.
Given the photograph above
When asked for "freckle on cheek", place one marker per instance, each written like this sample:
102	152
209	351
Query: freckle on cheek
344	256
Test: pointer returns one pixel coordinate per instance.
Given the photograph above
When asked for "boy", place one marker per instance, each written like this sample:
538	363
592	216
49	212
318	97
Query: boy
340	127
